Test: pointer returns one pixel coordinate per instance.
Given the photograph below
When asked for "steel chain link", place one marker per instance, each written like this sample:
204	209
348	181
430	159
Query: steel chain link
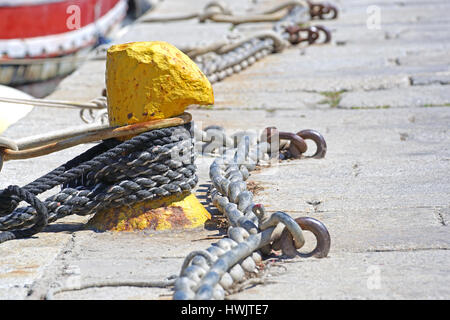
211	273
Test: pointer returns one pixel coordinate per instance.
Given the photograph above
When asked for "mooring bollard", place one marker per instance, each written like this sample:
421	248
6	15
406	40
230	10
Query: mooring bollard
146	81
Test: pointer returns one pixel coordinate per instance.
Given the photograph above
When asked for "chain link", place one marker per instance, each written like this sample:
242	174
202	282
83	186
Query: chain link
210	273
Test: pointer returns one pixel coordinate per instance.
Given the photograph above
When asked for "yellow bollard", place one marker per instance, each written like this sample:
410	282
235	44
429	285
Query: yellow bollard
152	80
145	81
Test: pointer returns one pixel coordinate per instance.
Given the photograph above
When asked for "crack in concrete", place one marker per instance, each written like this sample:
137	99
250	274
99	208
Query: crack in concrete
38	290
402	250
440	217
166	283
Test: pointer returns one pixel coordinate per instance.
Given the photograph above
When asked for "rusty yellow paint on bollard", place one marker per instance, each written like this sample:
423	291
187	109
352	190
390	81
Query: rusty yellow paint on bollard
180	212
152	80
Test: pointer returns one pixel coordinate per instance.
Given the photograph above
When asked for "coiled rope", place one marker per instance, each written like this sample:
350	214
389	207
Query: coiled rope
154	164
216	271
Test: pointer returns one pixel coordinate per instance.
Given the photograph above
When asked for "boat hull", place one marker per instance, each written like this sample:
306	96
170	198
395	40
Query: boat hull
24	71
44	53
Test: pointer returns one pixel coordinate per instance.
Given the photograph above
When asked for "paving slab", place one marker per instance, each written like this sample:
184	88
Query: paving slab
383	168
379	98
417	96
370	275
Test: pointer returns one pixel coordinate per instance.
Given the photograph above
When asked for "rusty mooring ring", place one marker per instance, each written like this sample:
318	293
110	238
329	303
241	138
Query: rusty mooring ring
318	139
320	232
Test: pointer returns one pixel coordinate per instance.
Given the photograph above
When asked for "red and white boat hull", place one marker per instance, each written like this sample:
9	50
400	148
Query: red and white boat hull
49	28
46	39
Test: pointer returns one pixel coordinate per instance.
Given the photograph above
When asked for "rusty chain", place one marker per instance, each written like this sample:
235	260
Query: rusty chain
218	11
224	58
322	11
253	232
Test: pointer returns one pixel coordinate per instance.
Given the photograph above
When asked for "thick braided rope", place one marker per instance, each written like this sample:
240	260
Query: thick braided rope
41	214
152	165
